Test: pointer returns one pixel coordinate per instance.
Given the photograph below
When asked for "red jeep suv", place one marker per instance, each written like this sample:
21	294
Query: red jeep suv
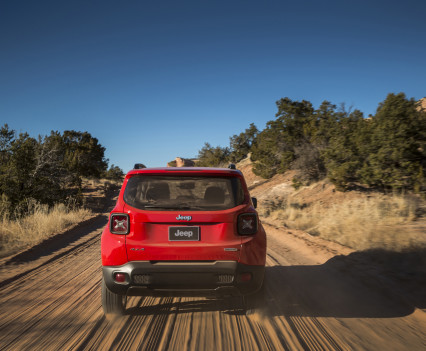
182	232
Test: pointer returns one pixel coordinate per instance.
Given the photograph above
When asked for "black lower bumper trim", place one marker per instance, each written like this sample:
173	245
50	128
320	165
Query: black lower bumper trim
217	278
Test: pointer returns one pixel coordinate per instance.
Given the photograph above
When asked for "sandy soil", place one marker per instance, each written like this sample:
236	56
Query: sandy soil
320	296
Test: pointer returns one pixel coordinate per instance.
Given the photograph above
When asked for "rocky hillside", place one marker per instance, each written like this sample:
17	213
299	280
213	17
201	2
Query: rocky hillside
359	218
423	103
182	162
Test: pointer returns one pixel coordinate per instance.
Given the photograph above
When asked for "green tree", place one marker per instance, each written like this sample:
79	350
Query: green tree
269	152
6	138
50	179
398	145
324	123
273	151
45	169
18	180
84	156
347	149
114	173
318	129
385	151
240	145
210	156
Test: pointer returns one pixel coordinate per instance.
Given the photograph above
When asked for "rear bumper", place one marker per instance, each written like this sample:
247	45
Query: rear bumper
165	278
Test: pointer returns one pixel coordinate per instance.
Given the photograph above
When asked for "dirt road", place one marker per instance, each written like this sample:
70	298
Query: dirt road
319	298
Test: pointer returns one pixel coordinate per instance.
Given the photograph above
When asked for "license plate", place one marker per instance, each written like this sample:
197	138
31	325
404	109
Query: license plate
184	233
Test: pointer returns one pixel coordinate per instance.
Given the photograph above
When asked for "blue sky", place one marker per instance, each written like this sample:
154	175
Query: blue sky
153	80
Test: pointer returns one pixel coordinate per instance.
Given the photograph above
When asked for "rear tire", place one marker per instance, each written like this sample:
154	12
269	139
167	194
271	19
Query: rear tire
112	304
255	303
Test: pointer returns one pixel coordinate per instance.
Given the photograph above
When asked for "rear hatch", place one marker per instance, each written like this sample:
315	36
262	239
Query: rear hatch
183	218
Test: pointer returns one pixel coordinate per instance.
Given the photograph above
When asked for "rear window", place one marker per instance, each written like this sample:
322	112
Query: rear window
183	193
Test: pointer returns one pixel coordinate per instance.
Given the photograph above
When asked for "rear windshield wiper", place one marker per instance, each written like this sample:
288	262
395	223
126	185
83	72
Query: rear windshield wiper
181	207
160	206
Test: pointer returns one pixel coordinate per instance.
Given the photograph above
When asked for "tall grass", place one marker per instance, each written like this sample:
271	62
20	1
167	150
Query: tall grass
37	222
376	222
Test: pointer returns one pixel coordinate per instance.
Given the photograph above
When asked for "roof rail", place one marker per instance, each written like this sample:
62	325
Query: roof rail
139	166
232	166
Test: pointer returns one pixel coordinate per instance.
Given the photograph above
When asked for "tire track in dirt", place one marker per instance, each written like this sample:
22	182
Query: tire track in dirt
310	332
45	265
56	306
50	299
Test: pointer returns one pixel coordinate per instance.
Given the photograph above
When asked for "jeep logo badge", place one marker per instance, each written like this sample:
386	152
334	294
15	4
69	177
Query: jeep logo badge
183	218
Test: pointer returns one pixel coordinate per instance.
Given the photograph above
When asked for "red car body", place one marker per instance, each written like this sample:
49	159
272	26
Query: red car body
208	241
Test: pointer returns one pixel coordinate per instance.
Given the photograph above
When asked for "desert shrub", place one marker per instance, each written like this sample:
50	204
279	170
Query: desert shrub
308	162
296	183
114	173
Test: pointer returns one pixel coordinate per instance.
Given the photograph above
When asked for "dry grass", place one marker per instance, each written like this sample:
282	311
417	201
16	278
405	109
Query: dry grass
38	223
99	183
375	222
